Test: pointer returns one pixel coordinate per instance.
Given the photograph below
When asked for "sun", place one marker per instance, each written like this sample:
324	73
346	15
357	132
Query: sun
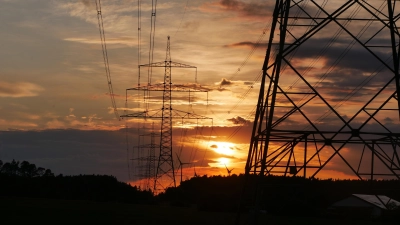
223	161
223	148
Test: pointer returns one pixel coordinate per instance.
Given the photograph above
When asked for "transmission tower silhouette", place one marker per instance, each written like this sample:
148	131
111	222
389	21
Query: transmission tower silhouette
328	99
305	117
146	158
165	172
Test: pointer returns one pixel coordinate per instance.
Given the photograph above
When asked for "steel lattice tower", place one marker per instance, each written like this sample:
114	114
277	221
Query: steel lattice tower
146	160
329	91
165	172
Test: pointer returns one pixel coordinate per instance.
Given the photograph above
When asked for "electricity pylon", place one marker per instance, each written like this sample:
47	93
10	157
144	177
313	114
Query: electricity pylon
165	173
343	107
329	93
146	159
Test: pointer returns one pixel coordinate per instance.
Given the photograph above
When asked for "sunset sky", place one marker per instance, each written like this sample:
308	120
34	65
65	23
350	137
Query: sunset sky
54	102
55	107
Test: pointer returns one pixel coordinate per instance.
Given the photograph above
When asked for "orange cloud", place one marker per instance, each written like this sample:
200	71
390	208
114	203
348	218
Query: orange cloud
19	89
243	9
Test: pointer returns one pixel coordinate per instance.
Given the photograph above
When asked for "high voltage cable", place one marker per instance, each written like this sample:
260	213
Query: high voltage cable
139	36
320	54
243	96
338	33
105	56
363	83
108	73
347	49
244	62
152	37
253	49
260	38
139	57
183	17
304	4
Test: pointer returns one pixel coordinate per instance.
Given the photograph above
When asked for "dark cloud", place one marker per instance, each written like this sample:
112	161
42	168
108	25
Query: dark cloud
73	152
69	152
239	120
388	120
248	44
213	146
225	82
342	54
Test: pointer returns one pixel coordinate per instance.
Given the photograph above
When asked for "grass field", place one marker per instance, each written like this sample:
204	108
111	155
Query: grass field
29	211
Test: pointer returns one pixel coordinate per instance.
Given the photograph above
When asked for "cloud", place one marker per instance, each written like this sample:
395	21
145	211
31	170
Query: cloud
244	9
129	41
239	120
17	124
70	152
248	44
225	82
19	89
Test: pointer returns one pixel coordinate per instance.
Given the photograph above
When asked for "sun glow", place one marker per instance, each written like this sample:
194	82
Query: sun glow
223	161
223	148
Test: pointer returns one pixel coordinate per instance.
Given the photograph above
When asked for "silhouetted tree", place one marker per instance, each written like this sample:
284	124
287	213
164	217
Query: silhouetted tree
11	168
48	173
28	170
40	171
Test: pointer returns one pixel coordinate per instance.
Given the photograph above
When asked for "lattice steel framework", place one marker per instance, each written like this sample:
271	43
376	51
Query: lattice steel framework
329	93
165	172
146	159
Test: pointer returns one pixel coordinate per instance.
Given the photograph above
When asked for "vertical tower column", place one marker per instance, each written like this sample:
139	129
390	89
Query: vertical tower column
165	175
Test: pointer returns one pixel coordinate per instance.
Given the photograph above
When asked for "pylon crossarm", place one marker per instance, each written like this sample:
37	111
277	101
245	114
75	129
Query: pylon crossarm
181	65
157	113
187	115
279	154
168	64
174	88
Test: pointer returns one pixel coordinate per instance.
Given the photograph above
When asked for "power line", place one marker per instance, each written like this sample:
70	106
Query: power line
105	56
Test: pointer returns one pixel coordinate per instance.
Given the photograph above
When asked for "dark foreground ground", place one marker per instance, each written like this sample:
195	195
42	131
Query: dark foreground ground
30	211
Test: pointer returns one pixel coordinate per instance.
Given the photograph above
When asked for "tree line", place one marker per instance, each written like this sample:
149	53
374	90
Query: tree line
278	194
24	169
27	180
288	195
